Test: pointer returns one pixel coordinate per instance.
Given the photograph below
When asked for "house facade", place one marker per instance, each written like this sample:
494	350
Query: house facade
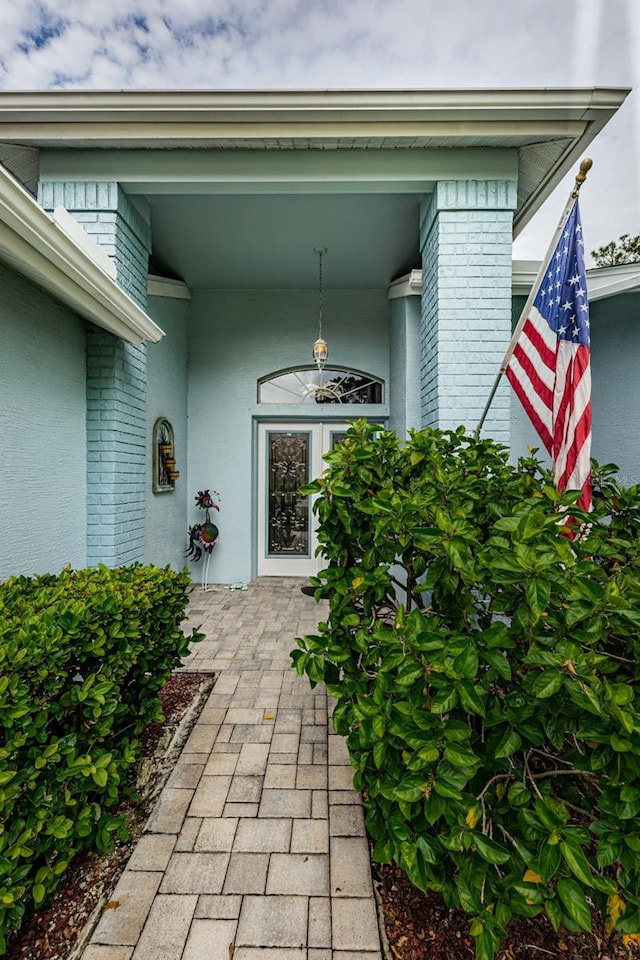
161	289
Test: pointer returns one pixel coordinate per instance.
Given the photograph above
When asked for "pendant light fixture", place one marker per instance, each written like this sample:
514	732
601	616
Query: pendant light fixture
320	349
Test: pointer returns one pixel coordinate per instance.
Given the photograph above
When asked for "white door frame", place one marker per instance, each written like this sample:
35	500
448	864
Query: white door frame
321	440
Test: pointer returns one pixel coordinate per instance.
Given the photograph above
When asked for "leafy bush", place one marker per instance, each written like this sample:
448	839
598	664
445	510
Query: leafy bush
486	670
82	657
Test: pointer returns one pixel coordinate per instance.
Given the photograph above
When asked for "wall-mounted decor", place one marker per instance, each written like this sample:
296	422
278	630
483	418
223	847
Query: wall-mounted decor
164	459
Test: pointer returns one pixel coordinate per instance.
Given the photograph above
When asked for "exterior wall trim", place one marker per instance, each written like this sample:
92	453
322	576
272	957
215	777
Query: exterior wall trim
36	246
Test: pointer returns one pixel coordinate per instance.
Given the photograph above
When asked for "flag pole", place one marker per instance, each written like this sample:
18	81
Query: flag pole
581	176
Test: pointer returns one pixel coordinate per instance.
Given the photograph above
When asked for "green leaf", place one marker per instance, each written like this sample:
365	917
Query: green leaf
547	683
489	850
578	611
508	745
554	913
447	788
459	757
470	698
466	663
468	896
577	862
100	777
409	674
499	663
457	730
538	592
379	751
518	795
38	891
444	701
429	753
378	724
383	851
408	792
315	670
429	849
485	946
575	903
548	860
608	851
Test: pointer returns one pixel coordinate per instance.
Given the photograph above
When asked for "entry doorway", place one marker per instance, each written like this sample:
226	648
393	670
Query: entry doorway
290	455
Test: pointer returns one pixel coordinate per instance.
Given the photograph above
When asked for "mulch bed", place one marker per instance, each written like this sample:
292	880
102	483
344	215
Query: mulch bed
420	926
52	932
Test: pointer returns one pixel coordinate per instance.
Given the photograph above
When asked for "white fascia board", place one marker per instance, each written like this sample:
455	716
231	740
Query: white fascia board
408	286
602	282
164	287
33	244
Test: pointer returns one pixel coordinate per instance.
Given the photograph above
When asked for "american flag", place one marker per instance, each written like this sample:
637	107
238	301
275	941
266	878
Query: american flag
550	365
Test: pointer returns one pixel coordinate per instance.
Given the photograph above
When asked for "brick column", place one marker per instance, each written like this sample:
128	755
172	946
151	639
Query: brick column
116	377
466	244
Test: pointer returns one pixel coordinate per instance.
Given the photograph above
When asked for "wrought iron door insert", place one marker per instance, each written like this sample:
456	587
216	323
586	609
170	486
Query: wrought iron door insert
288	528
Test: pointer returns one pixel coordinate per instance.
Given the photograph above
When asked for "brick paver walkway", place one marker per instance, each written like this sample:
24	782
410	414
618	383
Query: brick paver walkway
256	848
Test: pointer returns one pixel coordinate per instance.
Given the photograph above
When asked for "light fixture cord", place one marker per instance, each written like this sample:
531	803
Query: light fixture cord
320	295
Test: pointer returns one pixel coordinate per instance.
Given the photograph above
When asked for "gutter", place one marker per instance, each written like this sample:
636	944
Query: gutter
35	245
290	106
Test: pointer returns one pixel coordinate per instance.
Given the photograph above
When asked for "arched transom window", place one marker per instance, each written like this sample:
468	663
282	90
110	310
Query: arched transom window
310	385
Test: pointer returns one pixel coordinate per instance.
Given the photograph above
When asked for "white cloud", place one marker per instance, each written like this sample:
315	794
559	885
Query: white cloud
227	44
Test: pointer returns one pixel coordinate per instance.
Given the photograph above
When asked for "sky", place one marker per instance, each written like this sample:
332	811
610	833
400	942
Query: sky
354	44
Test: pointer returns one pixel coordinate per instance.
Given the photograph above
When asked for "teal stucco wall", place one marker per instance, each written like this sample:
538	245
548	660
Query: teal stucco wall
615	390
236	338
404	365
166	513
43	417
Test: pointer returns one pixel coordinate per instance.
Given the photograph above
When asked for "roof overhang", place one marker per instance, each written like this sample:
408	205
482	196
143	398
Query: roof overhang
602	282
44	250
550	128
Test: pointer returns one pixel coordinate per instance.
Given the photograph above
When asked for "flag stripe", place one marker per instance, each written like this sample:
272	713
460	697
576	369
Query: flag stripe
528	402
543	340
574	403
530	368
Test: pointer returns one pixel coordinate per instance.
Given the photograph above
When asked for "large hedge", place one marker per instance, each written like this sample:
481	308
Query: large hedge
82	658
486	667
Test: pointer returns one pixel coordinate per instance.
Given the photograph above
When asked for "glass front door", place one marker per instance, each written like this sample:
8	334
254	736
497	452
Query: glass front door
290	455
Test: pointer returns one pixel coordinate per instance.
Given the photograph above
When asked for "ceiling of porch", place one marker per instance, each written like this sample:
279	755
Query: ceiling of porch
268	242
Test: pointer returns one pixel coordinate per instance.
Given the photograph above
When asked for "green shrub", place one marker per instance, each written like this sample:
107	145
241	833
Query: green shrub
82	658
486	670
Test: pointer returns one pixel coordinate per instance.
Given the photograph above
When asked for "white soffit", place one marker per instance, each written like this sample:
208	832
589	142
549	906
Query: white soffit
550	128
35	245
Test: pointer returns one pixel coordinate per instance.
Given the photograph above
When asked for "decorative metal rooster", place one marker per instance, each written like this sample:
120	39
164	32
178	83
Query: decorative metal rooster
203	536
